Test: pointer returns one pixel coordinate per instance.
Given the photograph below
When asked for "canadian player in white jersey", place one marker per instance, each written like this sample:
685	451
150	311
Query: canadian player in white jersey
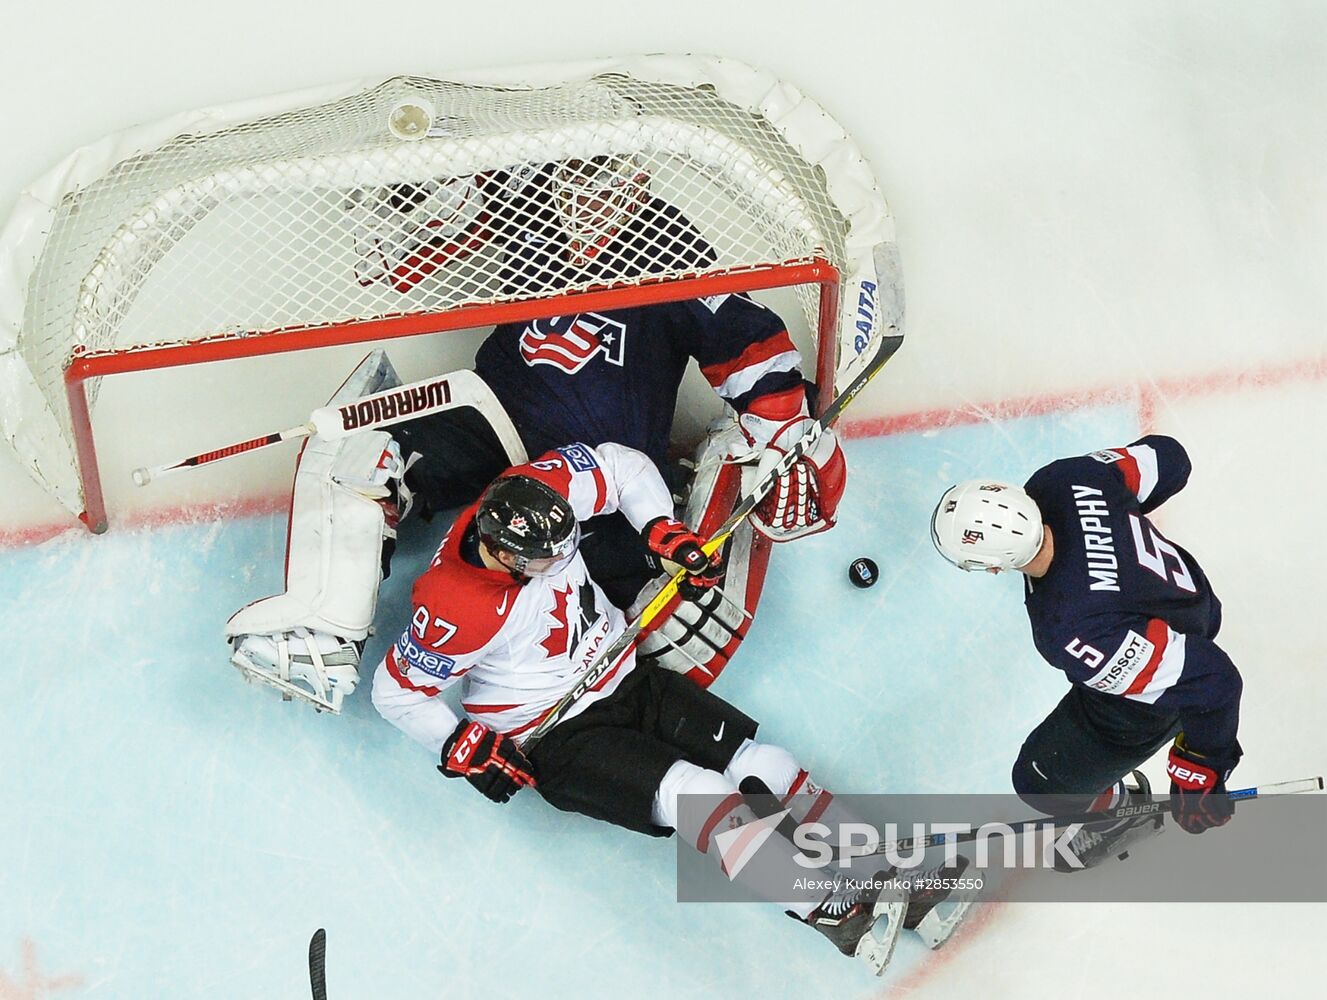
519	641
508	609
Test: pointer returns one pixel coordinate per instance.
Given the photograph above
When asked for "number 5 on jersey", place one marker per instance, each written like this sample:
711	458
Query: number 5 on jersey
1153	556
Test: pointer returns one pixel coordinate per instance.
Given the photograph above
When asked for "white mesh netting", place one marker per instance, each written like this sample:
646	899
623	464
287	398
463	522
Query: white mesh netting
322	216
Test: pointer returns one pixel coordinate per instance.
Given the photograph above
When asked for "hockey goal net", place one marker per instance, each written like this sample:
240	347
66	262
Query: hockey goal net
370	212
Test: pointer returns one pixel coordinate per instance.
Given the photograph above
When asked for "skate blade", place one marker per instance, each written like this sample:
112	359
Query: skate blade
290	690
877	949
936	927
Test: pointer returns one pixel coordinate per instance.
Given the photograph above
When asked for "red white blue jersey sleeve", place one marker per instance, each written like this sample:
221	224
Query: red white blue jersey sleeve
1154	468
743	349
603	480
1123	610
1146	660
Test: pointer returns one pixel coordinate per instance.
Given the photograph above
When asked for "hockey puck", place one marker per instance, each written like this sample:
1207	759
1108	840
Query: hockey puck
863	572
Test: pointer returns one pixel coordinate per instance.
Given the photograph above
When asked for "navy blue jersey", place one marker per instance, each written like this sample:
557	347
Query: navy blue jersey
1123	610
614	375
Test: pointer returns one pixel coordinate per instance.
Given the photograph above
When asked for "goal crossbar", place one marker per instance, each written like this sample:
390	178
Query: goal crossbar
89	365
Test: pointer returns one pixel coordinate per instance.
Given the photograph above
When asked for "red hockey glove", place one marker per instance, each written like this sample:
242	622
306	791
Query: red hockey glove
490	761
672	540
806	497
1198	799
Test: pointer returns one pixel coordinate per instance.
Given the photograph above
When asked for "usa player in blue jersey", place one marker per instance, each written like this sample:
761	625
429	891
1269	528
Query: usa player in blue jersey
597	377
1131	620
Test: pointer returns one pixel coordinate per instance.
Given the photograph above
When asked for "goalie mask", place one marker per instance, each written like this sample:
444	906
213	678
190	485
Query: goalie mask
596	197
531	522
983	524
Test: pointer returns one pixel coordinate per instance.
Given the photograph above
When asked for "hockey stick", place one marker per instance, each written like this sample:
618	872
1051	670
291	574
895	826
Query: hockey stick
380	409
1151	807
318	964
145	475
607	660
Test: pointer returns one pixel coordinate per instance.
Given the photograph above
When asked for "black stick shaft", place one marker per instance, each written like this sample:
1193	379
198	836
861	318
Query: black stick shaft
317	964
1151	807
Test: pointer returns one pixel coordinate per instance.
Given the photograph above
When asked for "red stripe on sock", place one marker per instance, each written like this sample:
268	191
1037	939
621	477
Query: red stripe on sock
725	807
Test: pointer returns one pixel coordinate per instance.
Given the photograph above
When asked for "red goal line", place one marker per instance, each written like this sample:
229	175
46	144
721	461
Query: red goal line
1147	396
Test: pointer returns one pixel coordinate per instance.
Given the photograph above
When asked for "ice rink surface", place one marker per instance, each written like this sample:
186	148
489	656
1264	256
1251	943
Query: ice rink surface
1112	220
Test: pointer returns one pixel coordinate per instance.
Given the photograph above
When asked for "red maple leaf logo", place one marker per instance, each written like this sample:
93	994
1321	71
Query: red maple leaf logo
555	643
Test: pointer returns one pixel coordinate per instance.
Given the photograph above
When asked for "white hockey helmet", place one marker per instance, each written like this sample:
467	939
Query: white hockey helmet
985	524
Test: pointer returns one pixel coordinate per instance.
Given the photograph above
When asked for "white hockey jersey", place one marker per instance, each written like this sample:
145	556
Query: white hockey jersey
516	646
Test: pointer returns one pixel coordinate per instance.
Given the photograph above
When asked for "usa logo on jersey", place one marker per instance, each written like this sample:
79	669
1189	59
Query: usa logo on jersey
571	342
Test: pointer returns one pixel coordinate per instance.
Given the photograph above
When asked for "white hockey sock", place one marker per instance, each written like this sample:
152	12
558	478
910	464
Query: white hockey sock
701	828
763	770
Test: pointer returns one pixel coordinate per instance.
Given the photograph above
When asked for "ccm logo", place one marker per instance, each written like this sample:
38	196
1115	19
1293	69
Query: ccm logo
466	745
1184	774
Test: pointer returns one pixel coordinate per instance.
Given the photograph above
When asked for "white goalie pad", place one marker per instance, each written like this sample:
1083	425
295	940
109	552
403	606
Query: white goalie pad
341	511
337	526
697	634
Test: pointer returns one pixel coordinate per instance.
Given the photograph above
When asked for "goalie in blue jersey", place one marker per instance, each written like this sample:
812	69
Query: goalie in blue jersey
597	377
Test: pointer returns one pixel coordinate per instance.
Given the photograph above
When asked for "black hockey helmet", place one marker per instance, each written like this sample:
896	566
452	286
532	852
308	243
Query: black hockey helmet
530	520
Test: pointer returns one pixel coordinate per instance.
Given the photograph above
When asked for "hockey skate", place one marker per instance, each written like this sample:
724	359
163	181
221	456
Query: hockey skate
864	922
935	909
313	667
1093	846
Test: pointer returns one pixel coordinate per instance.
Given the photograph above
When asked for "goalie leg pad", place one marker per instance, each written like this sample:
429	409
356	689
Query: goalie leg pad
701	636
343	513
339	520
696	637
306	642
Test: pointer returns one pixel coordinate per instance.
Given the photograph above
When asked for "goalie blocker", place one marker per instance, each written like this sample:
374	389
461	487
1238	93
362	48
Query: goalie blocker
350	493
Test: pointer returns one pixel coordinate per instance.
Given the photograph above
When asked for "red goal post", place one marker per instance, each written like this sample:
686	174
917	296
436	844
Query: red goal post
376	211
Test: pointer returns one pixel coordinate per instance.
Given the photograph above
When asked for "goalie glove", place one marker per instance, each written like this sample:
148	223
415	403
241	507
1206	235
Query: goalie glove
670	539
490	761
806	497
1198	799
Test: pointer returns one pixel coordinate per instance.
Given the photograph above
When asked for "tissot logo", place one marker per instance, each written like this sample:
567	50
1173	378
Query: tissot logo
571	342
